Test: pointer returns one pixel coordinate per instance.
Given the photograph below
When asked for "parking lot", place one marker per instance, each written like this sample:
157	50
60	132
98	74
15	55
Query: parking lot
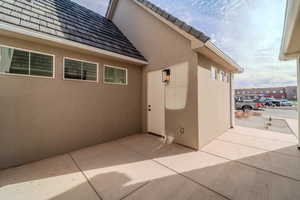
290	113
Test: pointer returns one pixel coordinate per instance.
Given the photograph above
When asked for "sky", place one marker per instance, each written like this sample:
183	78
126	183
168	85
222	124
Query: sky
249	31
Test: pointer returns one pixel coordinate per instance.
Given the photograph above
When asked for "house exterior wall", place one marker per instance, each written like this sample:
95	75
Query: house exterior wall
213	102
42	117
163	47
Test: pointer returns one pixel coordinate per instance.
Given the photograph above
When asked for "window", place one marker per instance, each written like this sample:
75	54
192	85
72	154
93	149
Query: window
213	73
217	74
24	62
281	91
80	70
228	76
221	75
115	75
274	91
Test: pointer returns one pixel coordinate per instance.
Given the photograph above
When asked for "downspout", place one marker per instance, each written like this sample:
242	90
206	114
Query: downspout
231	100
298	99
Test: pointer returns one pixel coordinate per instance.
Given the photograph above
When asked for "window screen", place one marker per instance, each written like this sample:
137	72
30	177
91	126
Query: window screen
41	65
115	75
14	61
80	70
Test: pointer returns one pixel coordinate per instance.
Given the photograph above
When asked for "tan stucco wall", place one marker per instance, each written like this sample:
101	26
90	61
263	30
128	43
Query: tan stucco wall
43	117
213	103
162	47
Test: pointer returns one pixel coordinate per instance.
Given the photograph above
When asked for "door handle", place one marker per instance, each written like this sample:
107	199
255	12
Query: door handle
149	109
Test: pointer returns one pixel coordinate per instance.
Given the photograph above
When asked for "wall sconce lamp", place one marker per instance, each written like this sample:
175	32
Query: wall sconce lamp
166	75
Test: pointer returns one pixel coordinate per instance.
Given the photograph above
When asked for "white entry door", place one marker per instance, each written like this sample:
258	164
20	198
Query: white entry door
156	103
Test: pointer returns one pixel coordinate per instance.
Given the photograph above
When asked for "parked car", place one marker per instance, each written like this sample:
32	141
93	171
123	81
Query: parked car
262	101
248	105
278	102
273	103
285	102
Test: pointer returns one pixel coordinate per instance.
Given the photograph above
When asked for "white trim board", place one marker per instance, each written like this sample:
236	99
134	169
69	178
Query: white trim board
291	15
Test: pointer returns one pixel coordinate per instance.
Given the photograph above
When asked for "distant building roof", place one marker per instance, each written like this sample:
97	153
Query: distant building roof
68	20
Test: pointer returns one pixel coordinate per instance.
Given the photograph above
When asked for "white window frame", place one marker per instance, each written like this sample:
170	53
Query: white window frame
217	74
75	59
221	75
228	76
28	75
122	68
213	74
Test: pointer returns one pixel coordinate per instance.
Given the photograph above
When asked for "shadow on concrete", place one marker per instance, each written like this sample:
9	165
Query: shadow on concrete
147	170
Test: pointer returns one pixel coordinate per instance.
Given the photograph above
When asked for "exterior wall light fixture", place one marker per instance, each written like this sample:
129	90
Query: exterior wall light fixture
166	76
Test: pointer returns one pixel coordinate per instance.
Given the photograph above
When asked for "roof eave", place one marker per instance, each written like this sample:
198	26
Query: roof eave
291	15
221	54
30	33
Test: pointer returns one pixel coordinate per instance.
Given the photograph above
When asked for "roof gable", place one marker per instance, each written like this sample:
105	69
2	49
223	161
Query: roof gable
68	20
199	41
177	22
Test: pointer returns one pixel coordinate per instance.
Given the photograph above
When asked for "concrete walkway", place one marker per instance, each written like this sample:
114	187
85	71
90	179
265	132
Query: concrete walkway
293	124
241	164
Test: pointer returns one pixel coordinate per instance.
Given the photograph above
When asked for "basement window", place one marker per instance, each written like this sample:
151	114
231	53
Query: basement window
80	70
17	61
115	75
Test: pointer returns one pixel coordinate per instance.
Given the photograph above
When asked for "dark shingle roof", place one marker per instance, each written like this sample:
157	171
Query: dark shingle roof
68	20
182	25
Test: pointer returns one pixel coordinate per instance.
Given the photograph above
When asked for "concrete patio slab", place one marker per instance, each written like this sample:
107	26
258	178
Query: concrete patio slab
264	134
231	179
174	188
261	143
293	124
271	161
142	167
231	151
115	171
239	182
56	178
152	147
